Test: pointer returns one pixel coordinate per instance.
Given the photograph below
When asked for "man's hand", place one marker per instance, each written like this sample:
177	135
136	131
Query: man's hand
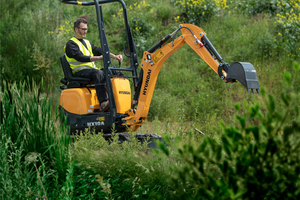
119	57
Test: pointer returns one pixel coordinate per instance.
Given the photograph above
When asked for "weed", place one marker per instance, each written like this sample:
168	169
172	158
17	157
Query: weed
105	186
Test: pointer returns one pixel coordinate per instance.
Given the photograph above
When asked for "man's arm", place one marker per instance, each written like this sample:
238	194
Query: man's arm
118	57
94	58
98	52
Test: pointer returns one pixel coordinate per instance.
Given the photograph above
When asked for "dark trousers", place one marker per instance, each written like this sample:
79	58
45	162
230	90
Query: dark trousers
98	77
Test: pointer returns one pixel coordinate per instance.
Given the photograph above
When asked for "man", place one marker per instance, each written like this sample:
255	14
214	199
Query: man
81	54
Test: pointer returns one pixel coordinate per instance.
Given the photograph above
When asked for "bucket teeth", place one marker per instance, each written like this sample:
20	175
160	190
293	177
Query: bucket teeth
253	90
245	73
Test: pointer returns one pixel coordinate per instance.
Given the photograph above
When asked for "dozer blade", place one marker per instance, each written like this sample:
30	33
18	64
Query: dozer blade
245	73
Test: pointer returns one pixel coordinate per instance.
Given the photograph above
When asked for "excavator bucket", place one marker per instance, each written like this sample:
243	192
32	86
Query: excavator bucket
245	73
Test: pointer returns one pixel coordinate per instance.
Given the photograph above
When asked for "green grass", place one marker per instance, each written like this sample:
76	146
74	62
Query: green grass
139	170
28	126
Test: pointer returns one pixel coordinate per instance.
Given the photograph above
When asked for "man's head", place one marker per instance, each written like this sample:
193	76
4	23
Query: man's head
80	28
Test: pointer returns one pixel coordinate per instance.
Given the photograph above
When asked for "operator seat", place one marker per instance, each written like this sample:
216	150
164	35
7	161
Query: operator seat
69	80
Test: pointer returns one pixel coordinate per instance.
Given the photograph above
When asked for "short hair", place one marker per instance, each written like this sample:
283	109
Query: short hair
78	21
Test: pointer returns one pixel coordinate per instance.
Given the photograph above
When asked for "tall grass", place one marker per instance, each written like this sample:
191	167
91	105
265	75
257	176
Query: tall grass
14	174
133	170
28	126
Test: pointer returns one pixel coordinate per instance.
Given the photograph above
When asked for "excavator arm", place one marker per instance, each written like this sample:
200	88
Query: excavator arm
154	58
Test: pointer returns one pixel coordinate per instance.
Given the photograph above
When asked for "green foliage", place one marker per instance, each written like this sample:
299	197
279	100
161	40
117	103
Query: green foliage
259	159
288	27
265	45
164	12
131	169
18	179
140	31
13	180
286	15
197	11
26	23
253	7
27	122
163	108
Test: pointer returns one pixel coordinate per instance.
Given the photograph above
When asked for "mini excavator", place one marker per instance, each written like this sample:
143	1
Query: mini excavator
128	111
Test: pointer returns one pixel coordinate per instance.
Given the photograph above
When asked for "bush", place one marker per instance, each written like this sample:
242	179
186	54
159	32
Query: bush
196	11
141	32
200	10
253	7
164	12
257	160
288	27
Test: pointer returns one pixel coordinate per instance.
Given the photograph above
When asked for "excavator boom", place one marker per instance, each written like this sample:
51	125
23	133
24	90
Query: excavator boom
154	58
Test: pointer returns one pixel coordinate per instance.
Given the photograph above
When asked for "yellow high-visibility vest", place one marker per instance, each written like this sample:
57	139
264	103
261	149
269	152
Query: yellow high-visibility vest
76	65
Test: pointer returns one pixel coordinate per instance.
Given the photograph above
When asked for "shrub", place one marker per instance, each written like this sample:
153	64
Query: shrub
257	160
164	12
288	26
196	11
141	31
253	7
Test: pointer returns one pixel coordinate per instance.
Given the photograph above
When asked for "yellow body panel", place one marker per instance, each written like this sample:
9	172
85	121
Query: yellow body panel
81	101
122	94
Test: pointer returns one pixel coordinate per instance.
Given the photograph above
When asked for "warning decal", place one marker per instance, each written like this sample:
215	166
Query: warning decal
158	56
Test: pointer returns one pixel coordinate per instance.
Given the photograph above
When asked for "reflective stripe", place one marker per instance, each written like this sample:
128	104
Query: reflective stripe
76	63
79	63
80	68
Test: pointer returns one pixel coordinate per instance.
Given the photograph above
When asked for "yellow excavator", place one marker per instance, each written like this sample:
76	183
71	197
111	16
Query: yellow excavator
128	111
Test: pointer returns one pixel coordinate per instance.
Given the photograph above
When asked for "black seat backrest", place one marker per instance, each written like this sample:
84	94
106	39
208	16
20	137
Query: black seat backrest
73	80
